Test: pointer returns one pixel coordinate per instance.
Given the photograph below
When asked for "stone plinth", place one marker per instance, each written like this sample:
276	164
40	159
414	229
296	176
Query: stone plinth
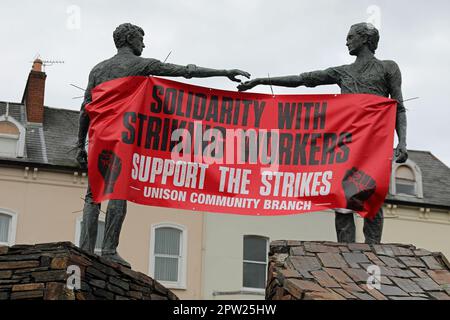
302	270
61	271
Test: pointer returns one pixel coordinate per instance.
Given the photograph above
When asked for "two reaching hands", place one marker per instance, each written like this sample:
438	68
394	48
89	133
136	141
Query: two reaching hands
248	85
243	86
231	74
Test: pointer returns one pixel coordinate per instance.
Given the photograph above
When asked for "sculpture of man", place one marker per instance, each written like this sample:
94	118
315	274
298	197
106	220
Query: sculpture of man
128	39
366	75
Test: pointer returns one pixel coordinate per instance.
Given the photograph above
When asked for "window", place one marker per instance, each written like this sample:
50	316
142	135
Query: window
406	180
8	223
100	234
405	183
5	222
255	262
12	138
168	255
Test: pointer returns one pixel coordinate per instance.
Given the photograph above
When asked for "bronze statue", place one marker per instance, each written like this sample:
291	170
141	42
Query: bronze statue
366	75
128	39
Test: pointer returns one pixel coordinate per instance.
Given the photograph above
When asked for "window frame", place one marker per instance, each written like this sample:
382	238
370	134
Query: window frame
20	144
250	289
182	263
417	179
12	228
101	218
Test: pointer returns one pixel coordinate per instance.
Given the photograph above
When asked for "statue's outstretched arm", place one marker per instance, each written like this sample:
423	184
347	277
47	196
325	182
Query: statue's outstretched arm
308	79
285	81
159	68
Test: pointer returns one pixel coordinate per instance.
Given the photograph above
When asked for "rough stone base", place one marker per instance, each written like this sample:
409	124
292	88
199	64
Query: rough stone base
46	271
304	270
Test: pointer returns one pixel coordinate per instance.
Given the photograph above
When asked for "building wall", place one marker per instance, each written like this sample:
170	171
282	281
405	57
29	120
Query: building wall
49	204
224	236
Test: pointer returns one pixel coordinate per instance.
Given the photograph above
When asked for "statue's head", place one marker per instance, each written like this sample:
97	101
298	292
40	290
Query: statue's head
129	35
360	35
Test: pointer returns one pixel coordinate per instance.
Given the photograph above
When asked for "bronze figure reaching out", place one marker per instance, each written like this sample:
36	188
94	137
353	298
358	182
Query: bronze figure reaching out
128	39
366	75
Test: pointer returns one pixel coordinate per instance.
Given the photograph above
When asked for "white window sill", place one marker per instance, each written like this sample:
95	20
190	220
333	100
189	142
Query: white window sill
171	285
253	290
242	292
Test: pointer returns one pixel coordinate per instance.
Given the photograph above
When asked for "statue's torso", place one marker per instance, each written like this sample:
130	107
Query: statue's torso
119	66
373	77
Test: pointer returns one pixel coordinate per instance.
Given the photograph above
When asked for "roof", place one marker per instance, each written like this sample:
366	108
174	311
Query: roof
51	143
435	181
338	271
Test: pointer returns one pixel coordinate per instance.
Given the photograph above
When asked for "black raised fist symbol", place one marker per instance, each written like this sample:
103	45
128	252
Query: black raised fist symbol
358	187
109	165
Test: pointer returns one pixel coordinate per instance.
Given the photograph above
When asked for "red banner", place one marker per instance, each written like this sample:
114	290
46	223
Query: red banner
163	143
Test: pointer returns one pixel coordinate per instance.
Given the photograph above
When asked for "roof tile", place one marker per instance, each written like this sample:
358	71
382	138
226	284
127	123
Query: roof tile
391	262
422	252
383	250
338	275
392	291
358	275
363	296
329	295
432	263
332	260
297	251
419	273
374	292
427	284
407	285
324	279
373	257
412	262
359	247
440	295
352	287
315	248
400	250
441	277
344	294
354	258
296	287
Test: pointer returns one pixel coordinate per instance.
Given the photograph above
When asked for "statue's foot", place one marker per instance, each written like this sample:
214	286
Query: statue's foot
114	257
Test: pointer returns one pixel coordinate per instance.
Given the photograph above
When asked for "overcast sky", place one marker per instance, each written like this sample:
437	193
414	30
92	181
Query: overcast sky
261	37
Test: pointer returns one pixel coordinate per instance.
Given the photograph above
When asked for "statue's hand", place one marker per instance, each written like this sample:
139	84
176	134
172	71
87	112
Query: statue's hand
247	85
401	154
231	74
81	157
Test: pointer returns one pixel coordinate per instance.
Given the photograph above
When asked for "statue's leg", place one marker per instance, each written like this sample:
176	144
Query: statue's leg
89	225
345	227
373	229
115	215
